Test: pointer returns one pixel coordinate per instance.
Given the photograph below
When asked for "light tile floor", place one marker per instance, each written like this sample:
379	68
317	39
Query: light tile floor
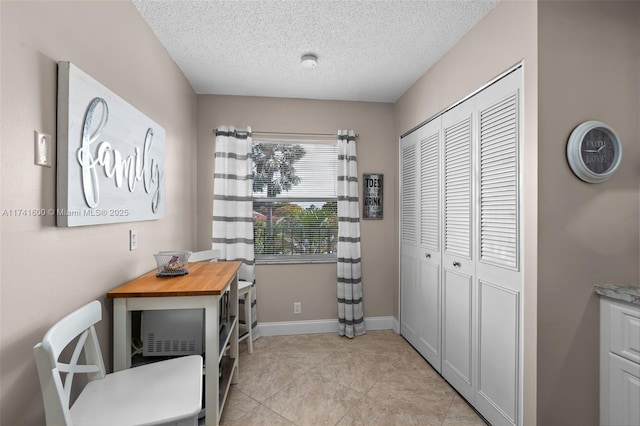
325	379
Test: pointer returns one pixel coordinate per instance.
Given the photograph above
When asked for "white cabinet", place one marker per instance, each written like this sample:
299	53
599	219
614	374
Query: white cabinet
409	244
429	252
499	246
619	363
421	255
461	255
458	257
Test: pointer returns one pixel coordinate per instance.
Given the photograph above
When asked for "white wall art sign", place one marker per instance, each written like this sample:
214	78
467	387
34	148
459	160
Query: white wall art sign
110	155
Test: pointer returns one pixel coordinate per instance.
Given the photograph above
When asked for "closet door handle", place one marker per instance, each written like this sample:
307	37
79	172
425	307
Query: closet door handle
457	264
428	255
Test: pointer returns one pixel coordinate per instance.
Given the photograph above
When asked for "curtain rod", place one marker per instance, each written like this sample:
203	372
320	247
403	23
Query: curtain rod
293	134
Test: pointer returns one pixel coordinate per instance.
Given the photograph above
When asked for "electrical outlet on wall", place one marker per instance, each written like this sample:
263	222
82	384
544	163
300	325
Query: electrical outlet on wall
297	307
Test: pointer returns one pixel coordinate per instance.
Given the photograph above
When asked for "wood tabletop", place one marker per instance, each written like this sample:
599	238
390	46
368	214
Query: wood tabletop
204	278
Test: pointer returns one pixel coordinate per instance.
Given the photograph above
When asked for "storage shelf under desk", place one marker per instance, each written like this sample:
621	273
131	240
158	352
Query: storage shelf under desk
227	368
226	330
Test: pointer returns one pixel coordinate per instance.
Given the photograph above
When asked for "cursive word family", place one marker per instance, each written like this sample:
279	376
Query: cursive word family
135	167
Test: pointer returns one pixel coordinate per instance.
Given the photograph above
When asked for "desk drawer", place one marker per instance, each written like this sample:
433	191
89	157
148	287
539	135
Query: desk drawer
624	329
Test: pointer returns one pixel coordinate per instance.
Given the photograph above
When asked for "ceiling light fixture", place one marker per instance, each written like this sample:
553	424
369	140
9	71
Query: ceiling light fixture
309	60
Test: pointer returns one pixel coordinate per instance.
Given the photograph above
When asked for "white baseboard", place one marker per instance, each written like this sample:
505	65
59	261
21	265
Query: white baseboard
378	323
283	328
395	326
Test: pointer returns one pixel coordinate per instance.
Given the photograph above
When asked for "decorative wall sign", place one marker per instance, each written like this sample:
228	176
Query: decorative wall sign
110	155
372	190
594	151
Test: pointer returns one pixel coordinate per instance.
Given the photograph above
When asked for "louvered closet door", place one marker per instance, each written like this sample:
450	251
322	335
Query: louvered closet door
429	268
409	225
458	261
498	271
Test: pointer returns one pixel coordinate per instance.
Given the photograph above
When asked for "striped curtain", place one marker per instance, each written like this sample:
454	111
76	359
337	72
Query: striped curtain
233	205
350	314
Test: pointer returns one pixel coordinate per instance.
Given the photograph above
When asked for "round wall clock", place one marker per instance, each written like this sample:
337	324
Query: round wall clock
594	151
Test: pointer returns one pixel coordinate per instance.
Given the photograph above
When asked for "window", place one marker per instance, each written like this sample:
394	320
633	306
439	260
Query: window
294	201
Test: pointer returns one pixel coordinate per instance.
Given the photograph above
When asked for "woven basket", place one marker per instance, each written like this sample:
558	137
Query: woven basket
172	263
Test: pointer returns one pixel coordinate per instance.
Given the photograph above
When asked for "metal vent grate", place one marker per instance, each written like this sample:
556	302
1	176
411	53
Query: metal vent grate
173	332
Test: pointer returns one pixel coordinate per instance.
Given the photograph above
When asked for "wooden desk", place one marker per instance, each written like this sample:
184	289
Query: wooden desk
201	288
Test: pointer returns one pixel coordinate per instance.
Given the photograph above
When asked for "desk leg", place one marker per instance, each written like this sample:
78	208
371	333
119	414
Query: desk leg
212	353
121	335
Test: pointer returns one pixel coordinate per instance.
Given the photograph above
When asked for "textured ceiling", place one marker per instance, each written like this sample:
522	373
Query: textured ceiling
368	50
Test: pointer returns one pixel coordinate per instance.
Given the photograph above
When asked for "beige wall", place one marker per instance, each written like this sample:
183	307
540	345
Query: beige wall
589	63
278	286
49	271
506	36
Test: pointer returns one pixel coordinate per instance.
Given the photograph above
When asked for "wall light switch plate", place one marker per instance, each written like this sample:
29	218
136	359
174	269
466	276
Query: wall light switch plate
133	239
42	149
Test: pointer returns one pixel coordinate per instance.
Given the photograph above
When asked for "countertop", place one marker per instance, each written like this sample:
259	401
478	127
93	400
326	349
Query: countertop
624	292
203	279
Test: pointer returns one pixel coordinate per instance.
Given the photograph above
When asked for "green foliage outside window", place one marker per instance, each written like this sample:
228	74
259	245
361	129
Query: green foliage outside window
285	226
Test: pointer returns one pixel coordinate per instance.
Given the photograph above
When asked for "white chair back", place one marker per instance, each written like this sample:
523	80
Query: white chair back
56	394
205	256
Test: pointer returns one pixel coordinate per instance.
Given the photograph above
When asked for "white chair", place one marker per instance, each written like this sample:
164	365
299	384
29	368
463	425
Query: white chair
244	292
204	256
162	393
